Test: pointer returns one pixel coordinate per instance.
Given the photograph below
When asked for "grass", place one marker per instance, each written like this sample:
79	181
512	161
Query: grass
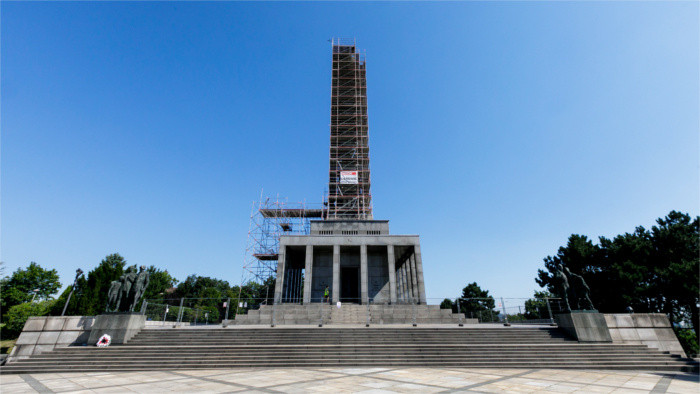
6	345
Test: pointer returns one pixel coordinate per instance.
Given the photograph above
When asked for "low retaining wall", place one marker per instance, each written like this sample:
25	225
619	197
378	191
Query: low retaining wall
651	329
45	333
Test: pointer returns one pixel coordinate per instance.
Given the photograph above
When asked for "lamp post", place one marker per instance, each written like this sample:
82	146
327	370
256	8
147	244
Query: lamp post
35	291
78	272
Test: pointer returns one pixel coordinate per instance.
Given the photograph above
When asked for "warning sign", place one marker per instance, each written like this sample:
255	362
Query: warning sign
348	177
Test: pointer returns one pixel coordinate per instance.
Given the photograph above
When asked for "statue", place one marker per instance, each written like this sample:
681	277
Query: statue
139	286
113	296
580	292
127	280
561	285
125	293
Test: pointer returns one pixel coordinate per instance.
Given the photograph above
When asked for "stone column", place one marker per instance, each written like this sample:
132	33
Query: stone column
308	274
392	273
364	295
279	282
419	274
414	281
404	283
336	273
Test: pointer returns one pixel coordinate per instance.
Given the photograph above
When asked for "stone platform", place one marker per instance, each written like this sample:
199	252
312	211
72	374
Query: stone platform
387	346
312	314
366	380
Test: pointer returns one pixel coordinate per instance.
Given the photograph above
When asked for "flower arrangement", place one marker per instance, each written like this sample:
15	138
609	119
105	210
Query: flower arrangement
104	341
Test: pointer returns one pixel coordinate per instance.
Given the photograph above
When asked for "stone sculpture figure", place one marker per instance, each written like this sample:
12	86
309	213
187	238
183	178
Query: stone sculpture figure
113	296
126	292
139	287
561	285
580	291
127	280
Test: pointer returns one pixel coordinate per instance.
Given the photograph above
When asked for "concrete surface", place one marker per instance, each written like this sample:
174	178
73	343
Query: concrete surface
42	334
584	326
367	380
651	329
121	327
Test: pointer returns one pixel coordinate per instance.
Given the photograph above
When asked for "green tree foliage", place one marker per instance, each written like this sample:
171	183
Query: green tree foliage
447	304
159	283
655	271
93	297
477	303
19	288
75	304
18	314
207	295
536	307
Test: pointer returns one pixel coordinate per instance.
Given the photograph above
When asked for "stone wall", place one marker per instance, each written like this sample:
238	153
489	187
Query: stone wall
321	273
378	275
651	329
45	333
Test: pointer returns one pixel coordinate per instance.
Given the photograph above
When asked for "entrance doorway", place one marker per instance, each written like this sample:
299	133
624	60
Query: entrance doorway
350	284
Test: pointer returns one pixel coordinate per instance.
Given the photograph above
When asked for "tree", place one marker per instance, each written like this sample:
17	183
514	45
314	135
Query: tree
91	294
159	282
447	304
477	303
537	308
18	315
19	288
654	271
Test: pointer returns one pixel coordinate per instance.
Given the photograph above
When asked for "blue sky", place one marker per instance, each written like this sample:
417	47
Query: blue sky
496	129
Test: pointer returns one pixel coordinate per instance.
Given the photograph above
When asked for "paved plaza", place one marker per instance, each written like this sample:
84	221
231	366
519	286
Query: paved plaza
364	380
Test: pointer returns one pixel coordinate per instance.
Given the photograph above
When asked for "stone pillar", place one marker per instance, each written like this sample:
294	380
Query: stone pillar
279	282
404	283
399	284
419	274
414	281
392	273
308	274
336	273
364	295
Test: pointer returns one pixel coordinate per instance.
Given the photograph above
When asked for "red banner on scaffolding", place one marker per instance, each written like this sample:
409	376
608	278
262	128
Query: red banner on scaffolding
348	177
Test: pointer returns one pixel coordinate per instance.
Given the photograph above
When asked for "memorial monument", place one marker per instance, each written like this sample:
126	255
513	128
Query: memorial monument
580	319
120	321
348	251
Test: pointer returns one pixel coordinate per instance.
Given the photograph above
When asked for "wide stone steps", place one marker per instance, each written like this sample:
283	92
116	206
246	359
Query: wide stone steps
285	314
169	349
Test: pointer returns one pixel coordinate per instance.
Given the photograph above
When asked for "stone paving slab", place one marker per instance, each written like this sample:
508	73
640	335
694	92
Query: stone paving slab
355	380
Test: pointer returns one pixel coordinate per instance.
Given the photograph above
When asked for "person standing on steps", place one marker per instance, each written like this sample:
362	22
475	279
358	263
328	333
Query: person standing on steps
326	294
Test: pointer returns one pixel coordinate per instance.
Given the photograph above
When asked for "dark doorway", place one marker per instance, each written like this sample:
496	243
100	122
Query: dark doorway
350	284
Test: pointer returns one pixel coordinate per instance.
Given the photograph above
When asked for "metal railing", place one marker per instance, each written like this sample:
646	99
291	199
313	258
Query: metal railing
377	311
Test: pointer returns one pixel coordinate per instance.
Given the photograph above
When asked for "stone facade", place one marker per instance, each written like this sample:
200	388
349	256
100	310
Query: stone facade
358	260
651	329
45	333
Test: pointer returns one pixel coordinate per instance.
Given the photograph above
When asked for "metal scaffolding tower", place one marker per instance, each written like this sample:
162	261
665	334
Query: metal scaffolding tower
349	181
268	220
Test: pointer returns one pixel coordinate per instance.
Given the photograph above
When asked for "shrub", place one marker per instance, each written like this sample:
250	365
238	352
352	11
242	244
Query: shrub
18	315
687	339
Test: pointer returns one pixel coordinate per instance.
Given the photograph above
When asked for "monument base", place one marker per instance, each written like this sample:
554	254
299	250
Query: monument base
120	326
585	326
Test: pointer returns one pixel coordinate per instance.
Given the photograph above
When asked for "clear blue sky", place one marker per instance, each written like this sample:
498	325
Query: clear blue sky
496	129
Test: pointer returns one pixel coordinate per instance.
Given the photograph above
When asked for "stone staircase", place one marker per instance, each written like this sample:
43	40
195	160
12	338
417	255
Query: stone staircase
466	347
314	314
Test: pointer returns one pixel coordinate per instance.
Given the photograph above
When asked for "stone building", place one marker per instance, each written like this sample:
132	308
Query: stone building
358	260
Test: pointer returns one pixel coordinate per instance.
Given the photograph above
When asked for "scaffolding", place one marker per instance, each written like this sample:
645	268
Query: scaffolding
348	196
349	179
269	219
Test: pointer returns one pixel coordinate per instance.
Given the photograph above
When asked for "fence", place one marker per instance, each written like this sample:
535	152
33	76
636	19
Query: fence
493	310
192	311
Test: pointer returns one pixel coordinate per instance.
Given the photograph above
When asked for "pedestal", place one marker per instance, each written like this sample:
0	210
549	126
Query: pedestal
120	326
585	326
